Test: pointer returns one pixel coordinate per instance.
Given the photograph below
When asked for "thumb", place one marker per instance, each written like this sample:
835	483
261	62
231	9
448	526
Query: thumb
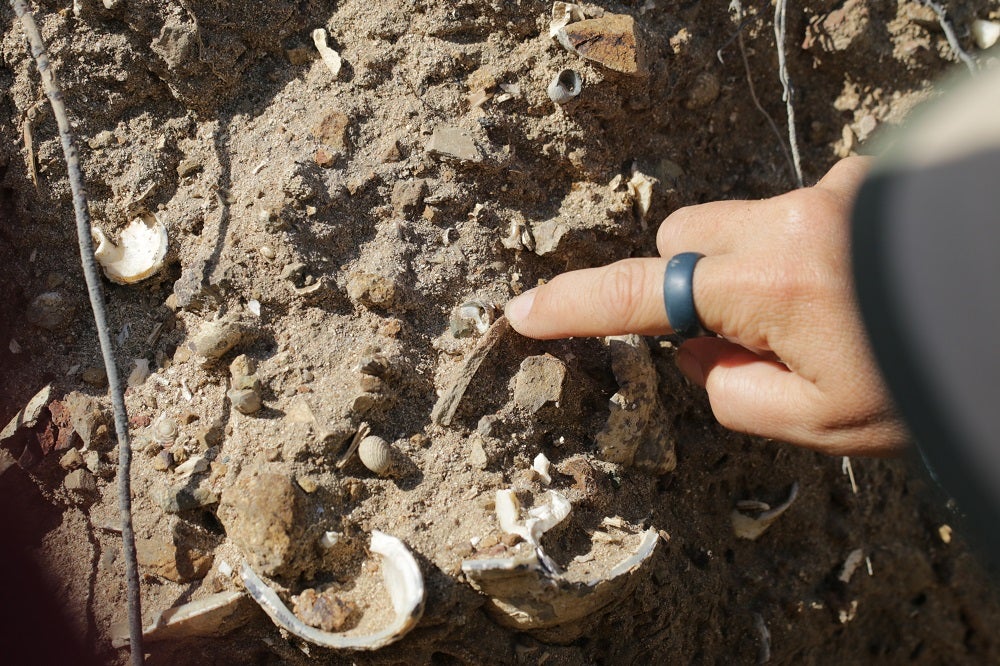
750	393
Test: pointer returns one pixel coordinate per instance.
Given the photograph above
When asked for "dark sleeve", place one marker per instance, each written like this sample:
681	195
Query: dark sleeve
926	256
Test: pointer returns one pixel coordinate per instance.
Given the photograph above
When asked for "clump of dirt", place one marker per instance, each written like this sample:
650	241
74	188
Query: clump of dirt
323	232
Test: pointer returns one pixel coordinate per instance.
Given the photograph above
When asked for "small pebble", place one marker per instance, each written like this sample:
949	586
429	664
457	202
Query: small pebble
268	252
81	481
246	401
163	461
71	460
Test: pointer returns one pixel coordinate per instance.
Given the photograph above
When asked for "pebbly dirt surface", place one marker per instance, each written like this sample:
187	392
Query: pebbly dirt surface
330	226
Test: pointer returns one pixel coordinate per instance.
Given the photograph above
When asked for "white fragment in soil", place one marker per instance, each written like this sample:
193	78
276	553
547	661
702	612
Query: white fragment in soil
868	564
985	33
851	564
849	471
512	89
764	651
849	614
640	188
540	467
474	541
751	527
330	539
253	306
139	254
564	13
14	347
139	373
195	465
616	522
185	391
225	569
944	532
330	57
257	169
541	517
73	369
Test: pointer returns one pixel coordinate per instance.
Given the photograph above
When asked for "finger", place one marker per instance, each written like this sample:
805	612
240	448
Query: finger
846	175
624	297
741	301
711	228
751	394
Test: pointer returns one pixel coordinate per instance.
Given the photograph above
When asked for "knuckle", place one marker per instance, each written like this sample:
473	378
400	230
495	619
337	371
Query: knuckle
620	291
669	231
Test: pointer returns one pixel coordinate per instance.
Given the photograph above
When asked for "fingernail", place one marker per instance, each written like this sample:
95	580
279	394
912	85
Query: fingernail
690	367
518	309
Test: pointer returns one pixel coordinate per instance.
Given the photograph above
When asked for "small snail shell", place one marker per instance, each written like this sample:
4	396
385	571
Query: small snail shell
376	454
566	85
164	430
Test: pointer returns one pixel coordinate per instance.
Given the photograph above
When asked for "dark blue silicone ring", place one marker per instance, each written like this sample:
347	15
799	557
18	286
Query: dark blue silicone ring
678	295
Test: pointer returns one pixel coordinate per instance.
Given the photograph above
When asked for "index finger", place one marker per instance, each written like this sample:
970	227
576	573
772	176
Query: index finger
623	297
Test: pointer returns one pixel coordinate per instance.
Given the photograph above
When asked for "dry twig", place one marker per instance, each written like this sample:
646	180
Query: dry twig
753	92
93	281
949	34
786	85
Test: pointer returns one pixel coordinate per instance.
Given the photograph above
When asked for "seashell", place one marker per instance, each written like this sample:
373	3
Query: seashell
564	86
527	591
402	579
985	33
141	248
164	430
751	527
564	13
471	316
376	454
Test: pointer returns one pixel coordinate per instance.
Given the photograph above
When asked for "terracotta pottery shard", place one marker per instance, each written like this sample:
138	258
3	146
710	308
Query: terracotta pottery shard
611	40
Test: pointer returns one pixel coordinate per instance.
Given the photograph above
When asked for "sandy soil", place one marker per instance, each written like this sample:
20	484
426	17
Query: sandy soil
334	224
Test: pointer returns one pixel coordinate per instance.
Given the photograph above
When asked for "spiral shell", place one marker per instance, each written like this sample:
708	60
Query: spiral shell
164	431
376	454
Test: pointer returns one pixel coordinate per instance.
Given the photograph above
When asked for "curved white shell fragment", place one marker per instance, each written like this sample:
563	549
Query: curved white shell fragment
402	578
527	596
985	33
751	527
140	252
541	517
564	86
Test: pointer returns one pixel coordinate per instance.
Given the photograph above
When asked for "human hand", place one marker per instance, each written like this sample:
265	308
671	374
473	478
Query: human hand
792	362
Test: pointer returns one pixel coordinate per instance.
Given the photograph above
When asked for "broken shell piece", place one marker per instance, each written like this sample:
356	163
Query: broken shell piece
330	57
402	579
564	86
470	317
751	527
361	433
524	595
640	188
985	33
375	454
519	237
564	13
540	467
541	517
141	248
214	615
